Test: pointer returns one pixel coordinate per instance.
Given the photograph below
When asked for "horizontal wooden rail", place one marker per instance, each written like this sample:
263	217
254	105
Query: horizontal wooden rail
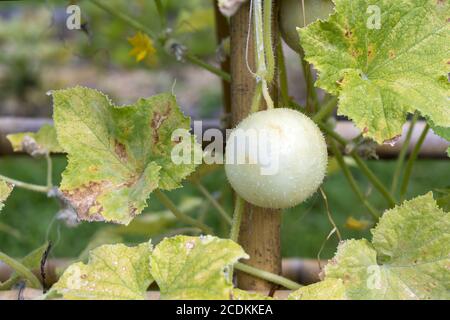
434	146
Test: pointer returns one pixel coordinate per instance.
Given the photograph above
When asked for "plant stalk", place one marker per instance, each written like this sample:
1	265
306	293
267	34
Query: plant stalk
412	159
213	201
165	200
269	276
237	219
21	270
363	167
402	154
325	110
48	158
284	86
25	185
351	180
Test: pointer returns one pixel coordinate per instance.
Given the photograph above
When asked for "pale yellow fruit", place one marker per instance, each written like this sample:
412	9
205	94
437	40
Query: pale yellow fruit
291	166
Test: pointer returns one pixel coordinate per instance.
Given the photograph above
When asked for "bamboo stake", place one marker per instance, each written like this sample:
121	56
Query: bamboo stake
260	230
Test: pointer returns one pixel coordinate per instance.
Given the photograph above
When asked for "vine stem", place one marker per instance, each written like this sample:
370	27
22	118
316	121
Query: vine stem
267	39
165	200
217	71
351	180
284	87
412	159
364	168
49	170
161	13
21	270
25	185
237	219
141	27
402	154
213	201
311	95
263	73
236	225
256	100
268	276
326	110
373	179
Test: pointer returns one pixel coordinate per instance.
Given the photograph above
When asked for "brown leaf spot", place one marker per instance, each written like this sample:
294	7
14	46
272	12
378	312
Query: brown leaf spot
391	54
93	169
370	52
120	150
348	33
84	198
158	120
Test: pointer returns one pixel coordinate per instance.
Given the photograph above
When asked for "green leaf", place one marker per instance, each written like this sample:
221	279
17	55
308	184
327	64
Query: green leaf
117	154
442	132
330	289
381	74
114	272
31	261
239	294
36	143
193	268
5	191
443	198
408	258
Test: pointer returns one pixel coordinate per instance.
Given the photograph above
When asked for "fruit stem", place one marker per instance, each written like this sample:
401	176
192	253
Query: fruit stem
267	37
263	74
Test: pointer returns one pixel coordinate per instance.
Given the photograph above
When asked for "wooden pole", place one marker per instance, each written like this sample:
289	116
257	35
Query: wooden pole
223	32
260	229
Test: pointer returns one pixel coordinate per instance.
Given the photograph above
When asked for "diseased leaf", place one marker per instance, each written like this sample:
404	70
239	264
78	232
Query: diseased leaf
330	289
5	190
114	272
36	143
409	256
117	155
382	72
193	268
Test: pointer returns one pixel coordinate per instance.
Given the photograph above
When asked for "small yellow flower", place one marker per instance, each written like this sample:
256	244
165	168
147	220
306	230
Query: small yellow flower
142	47
358	225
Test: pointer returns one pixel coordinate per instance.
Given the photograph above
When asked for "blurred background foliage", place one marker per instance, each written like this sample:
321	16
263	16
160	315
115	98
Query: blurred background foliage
38	53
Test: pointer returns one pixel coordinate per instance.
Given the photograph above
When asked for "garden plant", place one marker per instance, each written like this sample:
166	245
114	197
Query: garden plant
382	64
